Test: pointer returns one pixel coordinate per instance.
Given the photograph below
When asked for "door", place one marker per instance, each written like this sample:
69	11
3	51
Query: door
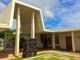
46	41
68	43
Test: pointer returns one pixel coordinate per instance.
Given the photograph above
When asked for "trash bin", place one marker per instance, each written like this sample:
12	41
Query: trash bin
29	48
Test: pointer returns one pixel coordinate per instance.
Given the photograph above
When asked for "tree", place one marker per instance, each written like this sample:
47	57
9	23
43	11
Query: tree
10	37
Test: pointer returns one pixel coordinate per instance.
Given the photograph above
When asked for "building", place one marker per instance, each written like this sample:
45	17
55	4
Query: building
30	23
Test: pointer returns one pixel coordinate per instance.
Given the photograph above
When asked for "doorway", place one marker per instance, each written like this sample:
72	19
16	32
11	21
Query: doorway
46	41
68	43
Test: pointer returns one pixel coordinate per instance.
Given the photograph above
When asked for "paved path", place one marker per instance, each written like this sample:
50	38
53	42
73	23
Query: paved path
7	55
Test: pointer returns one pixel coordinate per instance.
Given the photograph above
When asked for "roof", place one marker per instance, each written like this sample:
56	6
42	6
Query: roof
62	30
10	13
27	5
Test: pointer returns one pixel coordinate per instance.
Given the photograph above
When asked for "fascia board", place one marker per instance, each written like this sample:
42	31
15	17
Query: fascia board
27	5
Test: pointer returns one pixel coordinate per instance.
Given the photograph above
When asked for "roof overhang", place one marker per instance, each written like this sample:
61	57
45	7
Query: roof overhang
62	30
9	13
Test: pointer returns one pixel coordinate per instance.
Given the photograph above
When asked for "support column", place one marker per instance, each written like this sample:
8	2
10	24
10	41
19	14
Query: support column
33	26
17	33
73	41
53	38
5	38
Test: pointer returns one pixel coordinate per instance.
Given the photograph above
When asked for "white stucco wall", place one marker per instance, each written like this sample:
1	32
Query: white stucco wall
39	44
77	40
62	39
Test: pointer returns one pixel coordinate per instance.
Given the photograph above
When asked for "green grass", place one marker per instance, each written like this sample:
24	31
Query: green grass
50	55
39	58
17	59
54	58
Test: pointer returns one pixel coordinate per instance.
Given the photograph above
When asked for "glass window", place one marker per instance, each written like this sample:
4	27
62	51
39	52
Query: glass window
57	40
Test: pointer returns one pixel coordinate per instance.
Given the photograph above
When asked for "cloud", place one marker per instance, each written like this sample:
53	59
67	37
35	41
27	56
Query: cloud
48	13
46	6
40	3
70	20
69	16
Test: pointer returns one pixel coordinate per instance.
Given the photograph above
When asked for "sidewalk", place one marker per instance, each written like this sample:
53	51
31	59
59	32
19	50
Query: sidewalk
7	55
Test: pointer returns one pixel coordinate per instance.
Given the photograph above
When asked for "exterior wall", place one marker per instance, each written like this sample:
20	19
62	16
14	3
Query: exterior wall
39	44
77	40
62	39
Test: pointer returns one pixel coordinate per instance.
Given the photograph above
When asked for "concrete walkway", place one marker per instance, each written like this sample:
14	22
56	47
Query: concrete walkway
7	55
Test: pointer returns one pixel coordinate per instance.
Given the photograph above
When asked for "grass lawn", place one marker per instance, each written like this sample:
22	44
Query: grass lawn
39	58
52	58
49	56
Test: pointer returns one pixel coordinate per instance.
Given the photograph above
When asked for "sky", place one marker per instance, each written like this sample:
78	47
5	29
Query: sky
57	14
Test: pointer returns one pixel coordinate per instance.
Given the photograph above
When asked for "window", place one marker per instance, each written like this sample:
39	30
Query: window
56	40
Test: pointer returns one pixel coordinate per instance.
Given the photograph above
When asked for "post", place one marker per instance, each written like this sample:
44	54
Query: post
5	38
53	38
33	26
73	41
17	33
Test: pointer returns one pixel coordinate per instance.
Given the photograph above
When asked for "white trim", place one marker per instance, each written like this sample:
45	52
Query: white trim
4	26
62	30
33	26
42	21
17	34
27	5
73	41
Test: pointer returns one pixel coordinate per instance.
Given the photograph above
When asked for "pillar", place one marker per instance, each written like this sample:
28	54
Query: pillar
73	41
33	26
17	33
53	38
